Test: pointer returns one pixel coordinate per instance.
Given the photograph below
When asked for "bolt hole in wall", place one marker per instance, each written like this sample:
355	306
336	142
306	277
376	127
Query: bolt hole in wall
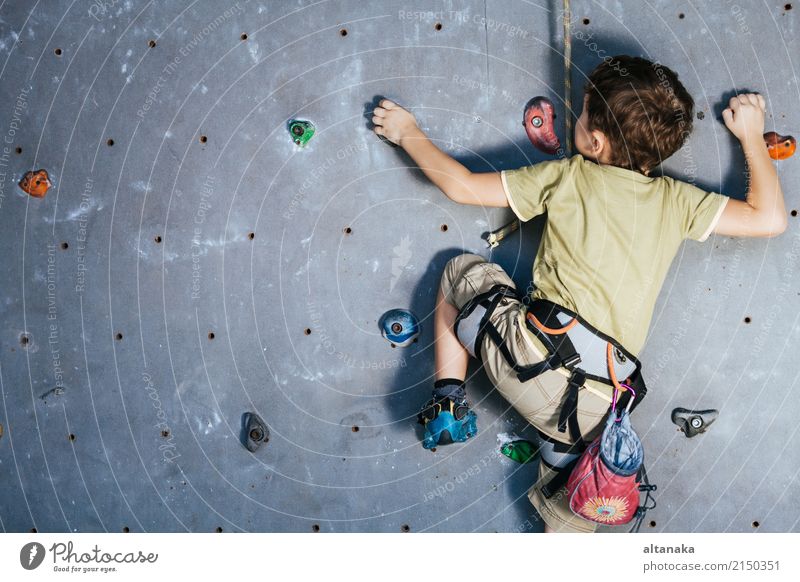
58	52
211	335
443	228
787	7
315	527
118	337
794	212
652	523
64	246
347	230
251	235
151	43
586	22
343	32
681	16
307	331
158	239
165	433
24	339
126	529
405	528
244	36
747	319
203	139
355	429
71	437
756	524
109	142
219	530
438	26
18	150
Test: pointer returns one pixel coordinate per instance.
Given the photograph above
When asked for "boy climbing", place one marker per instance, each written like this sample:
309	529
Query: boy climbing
611	233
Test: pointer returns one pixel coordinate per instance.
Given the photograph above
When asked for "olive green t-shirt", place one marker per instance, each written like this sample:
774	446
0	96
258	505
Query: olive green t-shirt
610	237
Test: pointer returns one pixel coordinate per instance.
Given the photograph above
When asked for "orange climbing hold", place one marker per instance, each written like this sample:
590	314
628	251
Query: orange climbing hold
779	146
36	183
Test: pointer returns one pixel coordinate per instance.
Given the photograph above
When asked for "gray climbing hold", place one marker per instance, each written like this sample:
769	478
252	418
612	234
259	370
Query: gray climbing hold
694	422
254	431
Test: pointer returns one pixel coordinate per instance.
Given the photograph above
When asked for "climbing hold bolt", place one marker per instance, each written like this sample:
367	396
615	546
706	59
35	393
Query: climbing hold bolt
399	326
301	131
35	183
538	121
694	422
779	146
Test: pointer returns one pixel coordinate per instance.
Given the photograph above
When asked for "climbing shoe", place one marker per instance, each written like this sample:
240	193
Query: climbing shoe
447	420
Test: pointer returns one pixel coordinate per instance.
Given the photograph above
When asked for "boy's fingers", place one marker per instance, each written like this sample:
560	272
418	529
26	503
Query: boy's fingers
378	129
734	103
386	104
762	102
379	111
753	98
727	116
377	120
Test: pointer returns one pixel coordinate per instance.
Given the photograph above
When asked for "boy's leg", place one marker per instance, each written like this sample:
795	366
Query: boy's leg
450	356
464	277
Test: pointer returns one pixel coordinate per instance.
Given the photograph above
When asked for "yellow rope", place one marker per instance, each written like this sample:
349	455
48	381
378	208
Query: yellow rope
567	77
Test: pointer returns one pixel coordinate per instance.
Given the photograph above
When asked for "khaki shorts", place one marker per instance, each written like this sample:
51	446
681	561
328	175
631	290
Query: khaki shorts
537	400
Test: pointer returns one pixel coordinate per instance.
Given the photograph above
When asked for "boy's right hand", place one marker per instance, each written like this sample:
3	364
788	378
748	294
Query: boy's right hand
393	122
745	117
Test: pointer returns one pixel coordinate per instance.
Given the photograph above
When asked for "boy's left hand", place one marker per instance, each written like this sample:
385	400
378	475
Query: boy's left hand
393	122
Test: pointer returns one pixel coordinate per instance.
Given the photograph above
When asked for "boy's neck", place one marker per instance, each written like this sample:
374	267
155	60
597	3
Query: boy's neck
603	160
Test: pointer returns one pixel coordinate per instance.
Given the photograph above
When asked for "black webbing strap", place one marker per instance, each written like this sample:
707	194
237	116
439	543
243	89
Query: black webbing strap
559	479
524	373
569	408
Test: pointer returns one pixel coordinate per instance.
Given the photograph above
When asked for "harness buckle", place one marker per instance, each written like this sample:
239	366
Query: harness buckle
572	361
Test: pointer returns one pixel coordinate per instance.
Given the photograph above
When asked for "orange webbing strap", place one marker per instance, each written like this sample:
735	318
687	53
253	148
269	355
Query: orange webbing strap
611	372
549	330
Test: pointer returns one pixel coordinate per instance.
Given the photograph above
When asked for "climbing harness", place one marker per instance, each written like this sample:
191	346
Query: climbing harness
473	318
447	418
573	344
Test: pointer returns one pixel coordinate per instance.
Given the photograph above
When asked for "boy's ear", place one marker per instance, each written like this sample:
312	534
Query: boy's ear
599	143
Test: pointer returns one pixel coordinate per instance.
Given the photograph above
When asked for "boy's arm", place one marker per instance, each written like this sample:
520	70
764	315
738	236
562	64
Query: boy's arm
457	182
763	214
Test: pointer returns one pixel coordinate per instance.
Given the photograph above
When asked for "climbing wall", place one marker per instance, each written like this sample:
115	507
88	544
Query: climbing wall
190	263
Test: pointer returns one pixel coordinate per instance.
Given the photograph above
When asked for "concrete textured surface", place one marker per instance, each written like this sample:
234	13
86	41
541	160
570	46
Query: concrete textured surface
190	263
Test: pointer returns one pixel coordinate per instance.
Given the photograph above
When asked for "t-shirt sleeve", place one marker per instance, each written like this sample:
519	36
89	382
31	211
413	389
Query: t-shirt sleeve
698	211
528	189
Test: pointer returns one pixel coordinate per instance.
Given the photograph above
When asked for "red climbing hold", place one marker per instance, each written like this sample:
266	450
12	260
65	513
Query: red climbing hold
36	183
538	123
779	146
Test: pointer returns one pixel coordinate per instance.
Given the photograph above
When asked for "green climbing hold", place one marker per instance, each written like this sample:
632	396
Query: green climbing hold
520	451
301	131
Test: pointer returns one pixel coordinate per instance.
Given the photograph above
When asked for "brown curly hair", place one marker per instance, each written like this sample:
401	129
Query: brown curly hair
642	108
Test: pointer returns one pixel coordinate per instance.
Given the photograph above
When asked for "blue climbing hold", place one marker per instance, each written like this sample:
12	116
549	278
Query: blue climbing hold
399	326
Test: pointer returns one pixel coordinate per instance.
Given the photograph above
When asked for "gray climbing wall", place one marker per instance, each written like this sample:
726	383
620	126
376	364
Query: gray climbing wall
190	263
